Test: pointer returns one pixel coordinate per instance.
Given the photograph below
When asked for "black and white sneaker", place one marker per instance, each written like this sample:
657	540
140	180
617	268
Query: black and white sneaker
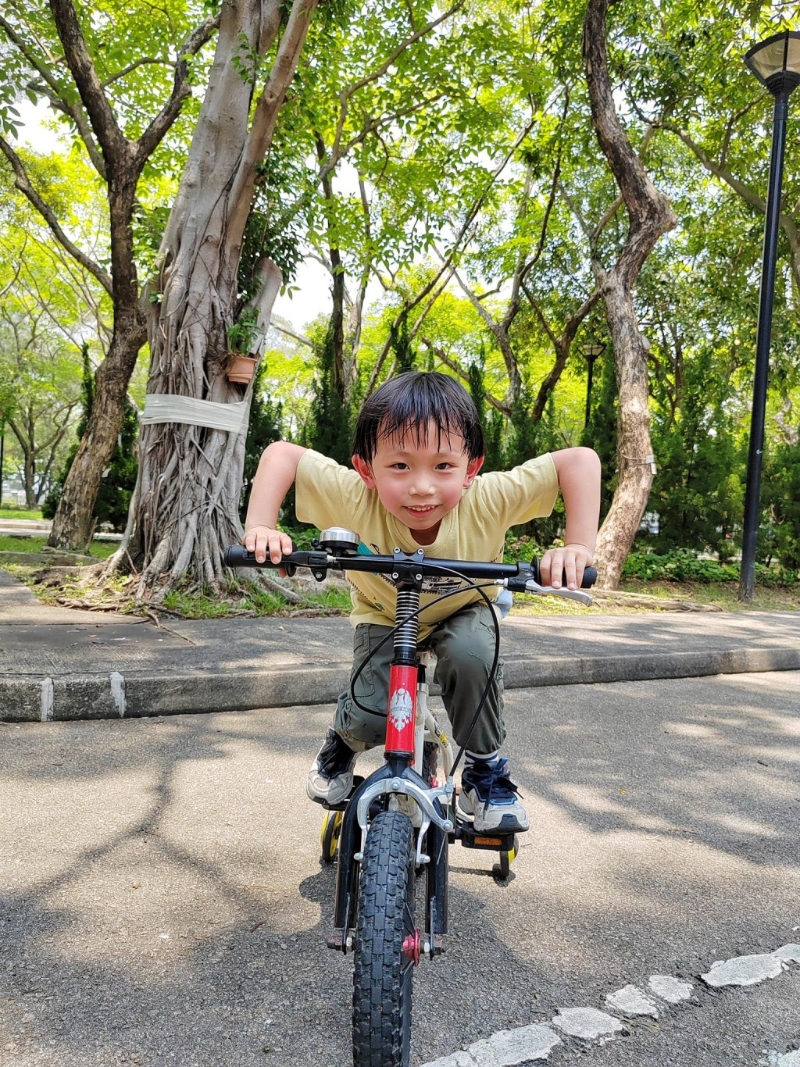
491	798
330	779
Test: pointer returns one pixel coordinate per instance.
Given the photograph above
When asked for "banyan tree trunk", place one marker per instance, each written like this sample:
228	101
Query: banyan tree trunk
186	506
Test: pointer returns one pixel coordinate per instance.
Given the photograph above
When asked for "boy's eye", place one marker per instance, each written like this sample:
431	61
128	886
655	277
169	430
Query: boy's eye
400	466
444	466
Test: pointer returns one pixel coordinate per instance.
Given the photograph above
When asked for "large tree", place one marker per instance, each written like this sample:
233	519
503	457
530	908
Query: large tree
40	378
110	66
186	504
650	215
47	306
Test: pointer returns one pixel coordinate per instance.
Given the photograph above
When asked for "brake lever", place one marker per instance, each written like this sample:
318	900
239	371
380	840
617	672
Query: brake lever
532	586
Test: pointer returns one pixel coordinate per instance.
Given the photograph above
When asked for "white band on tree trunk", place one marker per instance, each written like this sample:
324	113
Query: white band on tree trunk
166	407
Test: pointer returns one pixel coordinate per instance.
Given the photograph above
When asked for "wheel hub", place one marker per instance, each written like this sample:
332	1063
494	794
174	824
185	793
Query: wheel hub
412	946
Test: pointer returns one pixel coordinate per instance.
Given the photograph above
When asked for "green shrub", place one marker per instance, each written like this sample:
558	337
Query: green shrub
782	493
520	548
682	565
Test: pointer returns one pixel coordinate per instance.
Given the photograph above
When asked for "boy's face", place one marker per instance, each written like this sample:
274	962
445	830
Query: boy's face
419	481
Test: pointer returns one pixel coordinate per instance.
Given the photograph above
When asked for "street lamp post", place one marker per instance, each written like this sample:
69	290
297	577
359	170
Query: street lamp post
776	64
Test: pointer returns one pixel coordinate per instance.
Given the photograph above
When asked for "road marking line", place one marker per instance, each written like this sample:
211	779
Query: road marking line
630	1000
118	691
47	700
589	1024
505	1049
788	1059
509	1047
743	970
670	989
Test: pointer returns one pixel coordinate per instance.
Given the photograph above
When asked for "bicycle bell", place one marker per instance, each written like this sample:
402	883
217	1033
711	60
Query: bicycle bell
339	542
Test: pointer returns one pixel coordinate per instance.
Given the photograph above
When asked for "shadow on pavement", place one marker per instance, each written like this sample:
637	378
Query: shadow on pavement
164	900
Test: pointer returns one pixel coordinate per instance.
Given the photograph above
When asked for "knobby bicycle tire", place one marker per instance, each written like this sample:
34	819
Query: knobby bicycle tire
383	975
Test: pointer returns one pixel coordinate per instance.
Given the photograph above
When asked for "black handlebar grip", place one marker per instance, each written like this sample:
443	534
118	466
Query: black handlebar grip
589	578
238	556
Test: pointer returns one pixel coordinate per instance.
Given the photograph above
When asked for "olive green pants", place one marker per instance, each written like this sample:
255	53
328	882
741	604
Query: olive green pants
464	648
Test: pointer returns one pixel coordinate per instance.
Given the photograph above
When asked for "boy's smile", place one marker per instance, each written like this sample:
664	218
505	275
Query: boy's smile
420	478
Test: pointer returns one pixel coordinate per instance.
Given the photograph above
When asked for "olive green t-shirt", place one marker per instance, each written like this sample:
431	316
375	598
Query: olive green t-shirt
331	495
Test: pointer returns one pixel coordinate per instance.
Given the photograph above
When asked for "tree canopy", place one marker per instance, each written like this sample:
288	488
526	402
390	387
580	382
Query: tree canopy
470	164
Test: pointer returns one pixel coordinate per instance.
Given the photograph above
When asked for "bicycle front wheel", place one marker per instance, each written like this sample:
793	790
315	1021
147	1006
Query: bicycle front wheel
387	945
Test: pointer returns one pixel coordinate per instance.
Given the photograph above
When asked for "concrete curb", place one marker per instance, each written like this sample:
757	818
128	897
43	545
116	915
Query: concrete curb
113	696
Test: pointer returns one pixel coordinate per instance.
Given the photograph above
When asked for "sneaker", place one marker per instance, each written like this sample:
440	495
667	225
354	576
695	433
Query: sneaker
489	795
330	780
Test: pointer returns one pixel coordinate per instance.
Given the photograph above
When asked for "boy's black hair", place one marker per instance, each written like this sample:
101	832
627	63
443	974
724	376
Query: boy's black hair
408	403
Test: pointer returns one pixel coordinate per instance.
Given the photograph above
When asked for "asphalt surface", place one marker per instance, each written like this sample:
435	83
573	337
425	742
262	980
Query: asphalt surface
163	899
59	663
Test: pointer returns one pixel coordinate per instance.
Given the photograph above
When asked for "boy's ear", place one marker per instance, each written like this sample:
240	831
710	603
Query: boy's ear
473	467
364	470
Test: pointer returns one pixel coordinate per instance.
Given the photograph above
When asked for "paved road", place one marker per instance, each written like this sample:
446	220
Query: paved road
164	904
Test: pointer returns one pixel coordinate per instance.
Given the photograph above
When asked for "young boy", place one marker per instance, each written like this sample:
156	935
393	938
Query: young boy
417	455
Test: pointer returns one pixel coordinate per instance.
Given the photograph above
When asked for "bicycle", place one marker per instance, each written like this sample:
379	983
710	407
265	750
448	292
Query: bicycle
401	820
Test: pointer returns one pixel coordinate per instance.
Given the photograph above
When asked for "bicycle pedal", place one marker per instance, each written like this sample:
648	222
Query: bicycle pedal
471	838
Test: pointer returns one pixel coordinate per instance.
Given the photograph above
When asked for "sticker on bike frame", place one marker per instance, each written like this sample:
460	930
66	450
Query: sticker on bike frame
401	708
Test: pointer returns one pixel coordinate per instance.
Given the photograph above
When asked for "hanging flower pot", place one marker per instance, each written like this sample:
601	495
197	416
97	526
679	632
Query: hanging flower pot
240	368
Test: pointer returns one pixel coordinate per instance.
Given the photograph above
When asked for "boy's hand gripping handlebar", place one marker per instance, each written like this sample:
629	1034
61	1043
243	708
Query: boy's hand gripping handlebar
338	549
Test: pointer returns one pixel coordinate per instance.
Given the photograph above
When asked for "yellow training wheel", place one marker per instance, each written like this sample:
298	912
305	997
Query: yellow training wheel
329	835
507	857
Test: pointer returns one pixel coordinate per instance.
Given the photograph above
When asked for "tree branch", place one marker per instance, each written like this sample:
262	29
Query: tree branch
290	333
649	211
347	94
22	182
181	88
80	63
143	61
49	88
447	261
563	347
457	369
748	194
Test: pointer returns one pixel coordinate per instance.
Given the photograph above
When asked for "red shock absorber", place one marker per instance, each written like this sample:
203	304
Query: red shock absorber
402	711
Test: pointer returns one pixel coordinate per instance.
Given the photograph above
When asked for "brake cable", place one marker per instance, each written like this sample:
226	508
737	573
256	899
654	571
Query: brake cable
424	607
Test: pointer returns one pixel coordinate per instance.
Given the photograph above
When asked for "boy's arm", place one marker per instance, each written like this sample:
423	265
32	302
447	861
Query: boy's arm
274	478
578	471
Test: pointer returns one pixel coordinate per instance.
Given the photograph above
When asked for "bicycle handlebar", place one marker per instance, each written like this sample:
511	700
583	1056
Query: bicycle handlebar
515	576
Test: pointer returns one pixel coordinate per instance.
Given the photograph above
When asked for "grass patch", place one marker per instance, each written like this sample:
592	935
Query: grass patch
635	597
678	582
13	543
675	581
82	588
249	599
7	512
722	595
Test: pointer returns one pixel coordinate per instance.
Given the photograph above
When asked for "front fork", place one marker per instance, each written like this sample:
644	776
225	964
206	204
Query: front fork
400	780
386	786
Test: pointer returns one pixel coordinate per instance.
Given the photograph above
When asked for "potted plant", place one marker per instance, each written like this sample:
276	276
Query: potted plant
242	345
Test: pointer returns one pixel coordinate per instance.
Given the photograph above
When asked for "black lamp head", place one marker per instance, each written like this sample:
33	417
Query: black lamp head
776	61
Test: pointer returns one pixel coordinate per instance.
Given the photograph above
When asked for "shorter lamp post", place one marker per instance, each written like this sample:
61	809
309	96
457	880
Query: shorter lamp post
591	352
776	64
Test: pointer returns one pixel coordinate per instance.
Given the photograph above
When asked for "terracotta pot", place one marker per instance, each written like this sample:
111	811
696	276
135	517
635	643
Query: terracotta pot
241	369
